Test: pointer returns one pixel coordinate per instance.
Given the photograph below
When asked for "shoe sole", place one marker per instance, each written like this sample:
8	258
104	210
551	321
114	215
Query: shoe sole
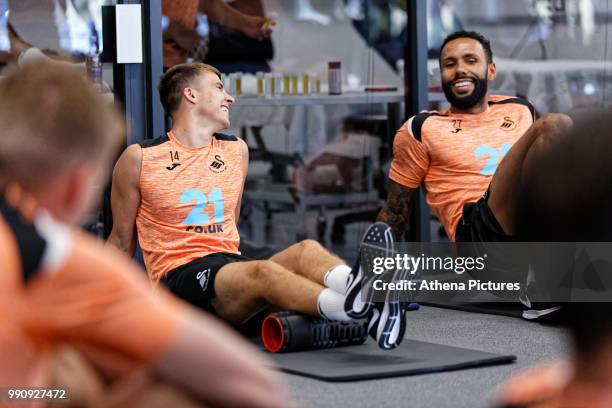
378	233
391	325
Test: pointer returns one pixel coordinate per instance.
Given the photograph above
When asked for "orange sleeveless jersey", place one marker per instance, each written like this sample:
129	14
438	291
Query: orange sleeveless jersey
189	197
62	287
456	155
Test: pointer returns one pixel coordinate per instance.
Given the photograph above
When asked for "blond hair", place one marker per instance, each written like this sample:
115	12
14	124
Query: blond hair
176	79
51	118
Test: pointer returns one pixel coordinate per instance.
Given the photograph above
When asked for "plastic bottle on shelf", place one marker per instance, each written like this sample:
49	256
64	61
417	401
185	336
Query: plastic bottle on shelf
269	88
273	88
286	84
238	79
335	77
260	83
294	84
229	83
277	77
306	83
315	88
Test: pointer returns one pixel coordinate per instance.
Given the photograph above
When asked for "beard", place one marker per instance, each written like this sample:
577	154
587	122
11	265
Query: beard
469	101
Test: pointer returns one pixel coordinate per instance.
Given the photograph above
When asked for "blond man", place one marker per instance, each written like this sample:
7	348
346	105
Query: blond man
60	286
180	194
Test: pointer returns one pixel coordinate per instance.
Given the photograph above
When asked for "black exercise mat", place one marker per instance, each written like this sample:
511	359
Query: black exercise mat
367	362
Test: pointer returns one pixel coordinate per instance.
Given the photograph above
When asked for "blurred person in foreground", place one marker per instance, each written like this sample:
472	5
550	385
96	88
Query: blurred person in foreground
568	198
62	288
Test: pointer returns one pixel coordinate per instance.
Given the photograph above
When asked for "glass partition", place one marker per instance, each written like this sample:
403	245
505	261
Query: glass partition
63	30
556	53
318	161
66	31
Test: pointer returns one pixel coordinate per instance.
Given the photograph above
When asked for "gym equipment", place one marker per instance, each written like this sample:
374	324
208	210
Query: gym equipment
287	332
367	361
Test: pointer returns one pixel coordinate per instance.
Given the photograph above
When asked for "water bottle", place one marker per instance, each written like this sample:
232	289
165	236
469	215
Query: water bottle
334	70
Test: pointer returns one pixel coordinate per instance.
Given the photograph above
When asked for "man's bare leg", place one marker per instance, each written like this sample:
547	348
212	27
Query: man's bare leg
244	288
308	259
506	182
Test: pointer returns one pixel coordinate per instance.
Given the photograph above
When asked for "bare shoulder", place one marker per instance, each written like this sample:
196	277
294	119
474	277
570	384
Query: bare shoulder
132	153
244	148
128	166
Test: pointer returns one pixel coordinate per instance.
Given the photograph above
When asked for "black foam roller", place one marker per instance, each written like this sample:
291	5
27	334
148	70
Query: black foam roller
287	331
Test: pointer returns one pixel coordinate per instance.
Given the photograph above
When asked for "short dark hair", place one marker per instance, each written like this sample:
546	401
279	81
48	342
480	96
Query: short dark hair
176	79
486	44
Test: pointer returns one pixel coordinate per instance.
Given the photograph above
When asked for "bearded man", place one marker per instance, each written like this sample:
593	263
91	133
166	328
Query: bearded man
470	157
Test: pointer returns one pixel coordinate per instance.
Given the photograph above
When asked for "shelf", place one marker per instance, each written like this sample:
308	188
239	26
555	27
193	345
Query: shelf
347	98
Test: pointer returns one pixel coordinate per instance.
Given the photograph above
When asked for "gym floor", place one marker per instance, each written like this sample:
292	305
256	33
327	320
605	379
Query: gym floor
531	342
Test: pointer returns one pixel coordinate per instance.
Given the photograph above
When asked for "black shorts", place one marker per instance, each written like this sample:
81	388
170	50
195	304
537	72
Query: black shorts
480	231
194	282
478	224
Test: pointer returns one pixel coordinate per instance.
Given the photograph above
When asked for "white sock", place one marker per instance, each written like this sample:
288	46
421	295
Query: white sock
337	277
331	305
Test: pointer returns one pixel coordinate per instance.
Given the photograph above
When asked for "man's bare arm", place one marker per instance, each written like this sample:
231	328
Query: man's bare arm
123	321
224	14
125	199
397	209
210	360
245	170
186	38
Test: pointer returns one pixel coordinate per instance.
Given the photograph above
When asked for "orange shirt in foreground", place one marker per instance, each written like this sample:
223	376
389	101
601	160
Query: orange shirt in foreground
456	155
62	287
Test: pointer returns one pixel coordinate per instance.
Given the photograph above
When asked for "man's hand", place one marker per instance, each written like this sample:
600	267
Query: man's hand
184	37
250	25
256	27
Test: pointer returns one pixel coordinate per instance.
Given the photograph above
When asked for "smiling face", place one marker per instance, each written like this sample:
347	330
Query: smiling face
465	73
213	102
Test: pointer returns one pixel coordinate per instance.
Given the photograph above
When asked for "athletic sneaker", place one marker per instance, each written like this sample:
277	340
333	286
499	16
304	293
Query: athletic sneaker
541	314
387	320
377	242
